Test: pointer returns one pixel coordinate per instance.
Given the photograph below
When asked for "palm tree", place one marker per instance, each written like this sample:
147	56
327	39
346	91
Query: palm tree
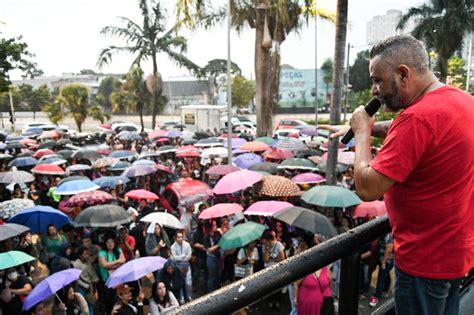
145	41
74	100
441	25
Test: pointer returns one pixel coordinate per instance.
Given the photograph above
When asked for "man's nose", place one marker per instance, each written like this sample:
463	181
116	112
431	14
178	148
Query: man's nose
374	90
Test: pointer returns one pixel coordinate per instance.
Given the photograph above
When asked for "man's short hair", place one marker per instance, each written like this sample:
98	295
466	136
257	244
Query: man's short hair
402	49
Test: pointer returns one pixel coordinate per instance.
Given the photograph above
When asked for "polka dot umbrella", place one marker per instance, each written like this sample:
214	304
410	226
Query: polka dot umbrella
277	186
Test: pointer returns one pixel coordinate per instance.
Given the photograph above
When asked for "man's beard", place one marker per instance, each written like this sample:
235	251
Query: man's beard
392	100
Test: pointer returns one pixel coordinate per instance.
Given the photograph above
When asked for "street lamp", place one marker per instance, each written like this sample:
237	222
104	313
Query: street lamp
229	89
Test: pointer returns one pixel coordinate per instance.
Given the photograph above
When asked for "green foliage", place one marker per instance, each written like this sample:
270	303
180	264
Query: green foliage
87	71
74	99
54	111
107	86
216	67
457	73
242	91
14	54
359	76
357	99
5	99
97	112
327	69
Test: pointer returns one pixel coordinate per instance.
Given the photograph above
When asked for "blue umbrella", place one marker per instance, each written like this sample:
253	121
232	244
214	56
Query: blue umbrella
119	166
135	269
248	159
110	181
23	162
13	138
52	160
139	170
50	286
39	217
122	154
76	186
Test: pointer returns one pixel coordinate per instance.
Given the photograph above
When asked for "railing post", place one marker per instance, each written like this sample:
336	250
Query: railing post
349	286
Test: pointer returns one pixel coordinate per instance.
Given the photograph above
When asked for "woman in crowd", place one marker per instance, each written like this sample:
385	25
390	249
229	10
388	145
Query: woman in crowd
71	303
211	240
53	240
161	299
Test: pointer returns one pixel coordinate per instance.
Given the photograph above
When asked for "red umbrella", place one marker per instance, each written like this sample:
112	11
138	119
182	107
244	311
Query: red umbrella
104	151
28	141
278	154
89	198
162	140
370	209
53	134
158	134
222	170
220	210
141	194
105	126
255	146
47	169
163	168
40	153
188	154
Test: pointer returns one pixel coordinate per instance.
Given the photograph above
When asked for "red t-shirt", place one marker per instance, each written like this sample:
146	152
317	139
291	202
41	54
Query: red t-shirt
429	152
129	255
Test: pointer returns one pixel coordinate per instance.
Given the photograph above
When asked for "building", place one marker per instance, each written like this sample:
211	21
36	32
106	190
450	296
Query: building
468	51
186	92
383	26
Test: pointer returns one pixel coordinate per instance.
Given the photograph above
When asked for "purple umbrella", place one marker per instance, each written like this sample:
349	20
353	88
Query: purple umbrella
309	131
308	178
50	286
236	143
138	170
248	159
135	269
173	133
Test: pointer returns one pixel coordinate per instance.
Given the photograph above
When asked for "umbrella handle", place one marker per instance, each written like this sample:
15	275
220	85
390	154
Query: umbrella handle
65	308
139	285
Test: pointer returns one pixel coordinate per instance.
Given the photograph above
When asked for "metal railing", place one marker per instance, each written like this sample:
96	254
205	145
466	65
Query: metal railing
345	247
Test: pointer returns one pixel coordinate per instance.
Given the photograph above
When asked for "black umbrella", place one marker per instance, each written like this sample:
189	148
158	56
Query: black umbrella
47	144
340	168
102	216
270	168
24	154
307	220
11	229
201	135
90	155
14	145
189	141
66	154
307	153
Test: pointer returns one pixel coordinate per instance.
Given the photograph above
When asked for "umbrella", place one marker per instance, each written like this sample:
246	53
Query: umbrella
307	220
42	152
220	210
47	144
90	155
236	181
208	142
308	153
221	170
77	168
331	196
9	230
255	146
73	187
141	194
268	140
104	151
189	153
317	141
50	286
135	269
277	154
346	157
160	167
235	142
139	170
14	258
166	149
52	160
14	145
4	156
52	134
325	145
157	134
11	207
163	219
297	164
173	133
13	138
89	198
368	209
240	235
110	181
72	178
102	216
340	168
66	153
162	140
122	154
267	167
189	141
309	131
144	162
277	186
215	152
267	207
23	162
290	144
47	169
16	177
130	136
247	160
119	166
38	218
308	178
104	162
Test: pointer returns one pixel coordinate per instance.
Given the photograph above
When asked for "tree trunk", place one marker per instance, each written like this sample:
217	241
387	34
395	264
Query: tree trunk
337	83
140	112
443	68
263	85
79	125
34	115
154	94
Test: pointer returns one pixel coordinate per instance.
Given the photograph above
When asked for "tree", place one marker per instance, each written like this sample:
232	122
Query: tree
87	71
242	91
457	73
216	70
32	99
107	86
359	76
145	41
441	25
74	99
327	69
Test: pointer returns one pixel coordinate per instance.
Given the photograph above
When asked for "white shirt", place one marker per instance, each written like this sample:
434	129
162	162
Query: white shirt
181	252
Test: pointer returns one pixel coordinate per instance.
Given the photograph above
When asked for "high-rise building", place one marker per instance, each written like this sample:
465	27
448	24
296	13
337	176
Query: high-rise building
383	26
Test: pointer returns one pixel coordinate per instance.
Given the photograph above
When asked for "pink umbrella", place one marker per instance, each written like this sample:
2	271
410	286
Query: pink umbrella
278	154
221	170
236	181
220	210
346	157
141	194
267	208
370	209
308	178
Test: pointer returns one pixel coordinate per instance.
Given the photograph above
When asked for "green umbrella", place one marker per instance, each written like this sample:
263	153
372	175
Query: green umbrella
297	164
14	258
241	234
331	196
267	140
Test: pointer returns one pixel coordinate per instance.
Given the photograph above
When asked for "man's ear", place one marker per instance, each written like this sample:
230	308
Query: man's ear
404	73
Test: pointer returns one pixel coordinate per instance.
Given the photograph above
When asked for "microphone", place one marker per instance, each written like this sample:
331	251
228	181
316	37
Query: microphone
371	108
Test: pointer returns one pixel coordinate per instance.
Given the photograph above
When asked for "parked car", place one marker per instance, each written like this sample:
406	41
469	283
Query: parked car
290	124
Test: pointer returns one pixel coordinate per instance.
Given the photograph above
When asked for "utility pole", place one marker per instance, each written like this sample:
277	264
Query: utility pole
12	111
229	89
347	81
316	105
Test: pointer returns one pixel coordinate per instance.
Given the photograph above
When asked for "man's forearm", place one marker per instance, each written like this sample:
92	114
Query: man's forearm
380	129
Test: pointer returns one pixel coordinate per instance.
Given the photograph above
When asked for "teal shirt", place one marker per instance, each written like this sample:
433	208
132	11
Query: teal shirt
104	273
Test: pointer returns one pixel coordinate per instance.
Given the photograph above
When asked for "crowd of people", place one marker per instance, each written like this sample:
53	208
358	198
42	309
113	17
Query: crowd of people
195	262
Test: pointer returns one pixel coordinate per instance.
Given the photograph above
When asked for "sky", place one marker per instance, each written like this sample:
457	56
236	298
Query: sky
65	35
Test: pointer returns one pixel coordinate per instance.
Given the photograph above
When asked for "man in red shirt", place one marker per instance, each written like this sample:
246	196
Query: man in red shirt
425	171
127	243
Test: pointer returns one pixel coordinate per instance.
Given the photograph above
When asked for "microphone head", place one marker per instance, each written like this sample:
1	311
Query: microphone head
373	106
